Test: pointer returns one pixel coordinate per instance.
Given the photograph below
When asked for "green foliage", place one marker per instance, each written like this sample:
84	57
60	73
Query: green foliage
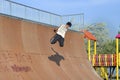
104	43
108	47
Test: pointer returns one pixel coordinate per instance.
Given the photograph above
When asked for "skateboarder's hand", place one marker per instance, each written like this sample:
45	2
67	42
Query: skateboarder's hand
55	30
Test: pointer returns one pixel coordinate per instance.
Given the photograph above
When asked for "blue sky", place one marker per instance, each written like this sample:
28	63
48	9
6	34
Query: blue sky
107	11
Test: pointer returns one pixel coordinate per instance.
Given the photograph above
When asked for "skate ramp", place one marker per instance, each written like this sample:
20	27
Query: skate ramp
26	53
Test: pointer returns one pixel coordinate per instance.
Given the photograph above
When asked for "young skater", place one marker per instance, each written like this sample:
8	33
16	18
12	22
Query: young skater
60	34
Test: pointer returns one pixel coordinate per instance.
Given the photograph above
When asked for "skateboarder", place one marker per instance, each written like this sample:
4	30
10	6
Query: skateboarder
60	34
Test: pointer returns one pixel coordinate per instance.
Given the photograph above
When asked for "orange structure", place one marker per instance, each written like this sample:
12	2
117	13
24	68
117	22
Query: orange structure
89	35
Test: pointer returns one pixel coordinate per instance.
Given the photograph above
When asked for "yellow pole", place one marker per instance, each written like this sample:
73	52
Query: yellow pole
117	68
99	60
94	47
101	72
104	73
105	60
118	58
112	60
93	60
89	49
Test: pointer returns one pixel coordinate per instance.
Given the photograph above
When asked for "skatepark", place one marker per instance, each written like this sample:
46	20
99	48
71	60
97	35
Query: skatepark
26	45
26	52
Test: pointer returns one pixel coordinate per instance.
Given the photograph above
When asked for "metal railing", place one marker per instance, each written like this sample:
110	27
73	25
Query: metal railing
26	12
104	60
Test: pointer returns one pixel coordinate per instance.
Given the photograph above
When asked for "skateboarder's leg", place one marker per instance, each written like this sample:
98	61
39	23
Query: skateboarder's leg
54	39
61	42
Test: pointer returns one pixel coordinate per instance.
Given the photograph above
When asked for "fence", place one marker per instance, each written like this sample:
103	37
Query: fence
104	60
26	12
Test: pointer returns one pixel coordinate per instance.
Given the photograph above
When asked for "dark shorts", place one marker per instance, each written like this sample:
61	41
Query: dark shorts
58	38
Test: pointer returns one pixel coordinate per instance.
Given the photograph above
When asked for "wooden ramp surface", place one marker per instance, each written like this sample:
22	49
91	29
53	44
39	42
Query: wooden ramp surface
26	53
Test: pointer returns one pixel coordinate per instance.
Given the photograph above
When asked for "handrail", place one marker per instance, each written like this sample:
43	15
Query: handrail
32	7
104	60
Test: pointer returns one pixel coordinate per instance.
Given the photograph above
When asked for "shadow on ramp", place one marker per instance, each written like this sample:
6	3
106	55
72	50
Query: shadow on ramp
56	57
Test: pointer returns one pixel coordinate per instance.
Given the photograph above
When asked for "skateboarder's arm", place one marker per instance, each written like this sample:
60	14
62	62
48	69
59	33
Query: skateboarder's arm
56	29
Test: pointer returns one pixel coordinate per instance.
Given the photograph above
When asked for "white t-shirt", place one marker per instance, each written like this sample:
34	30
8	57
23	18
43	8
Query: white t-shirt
62	30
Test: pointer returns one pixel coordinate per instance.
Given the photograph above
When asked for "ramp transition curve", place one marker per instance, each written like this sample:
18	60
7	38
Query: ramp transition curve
26	53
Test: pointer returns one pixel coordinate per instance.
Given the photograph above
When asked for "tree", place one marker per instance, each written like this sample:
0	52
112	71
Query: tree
104	44
109	47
